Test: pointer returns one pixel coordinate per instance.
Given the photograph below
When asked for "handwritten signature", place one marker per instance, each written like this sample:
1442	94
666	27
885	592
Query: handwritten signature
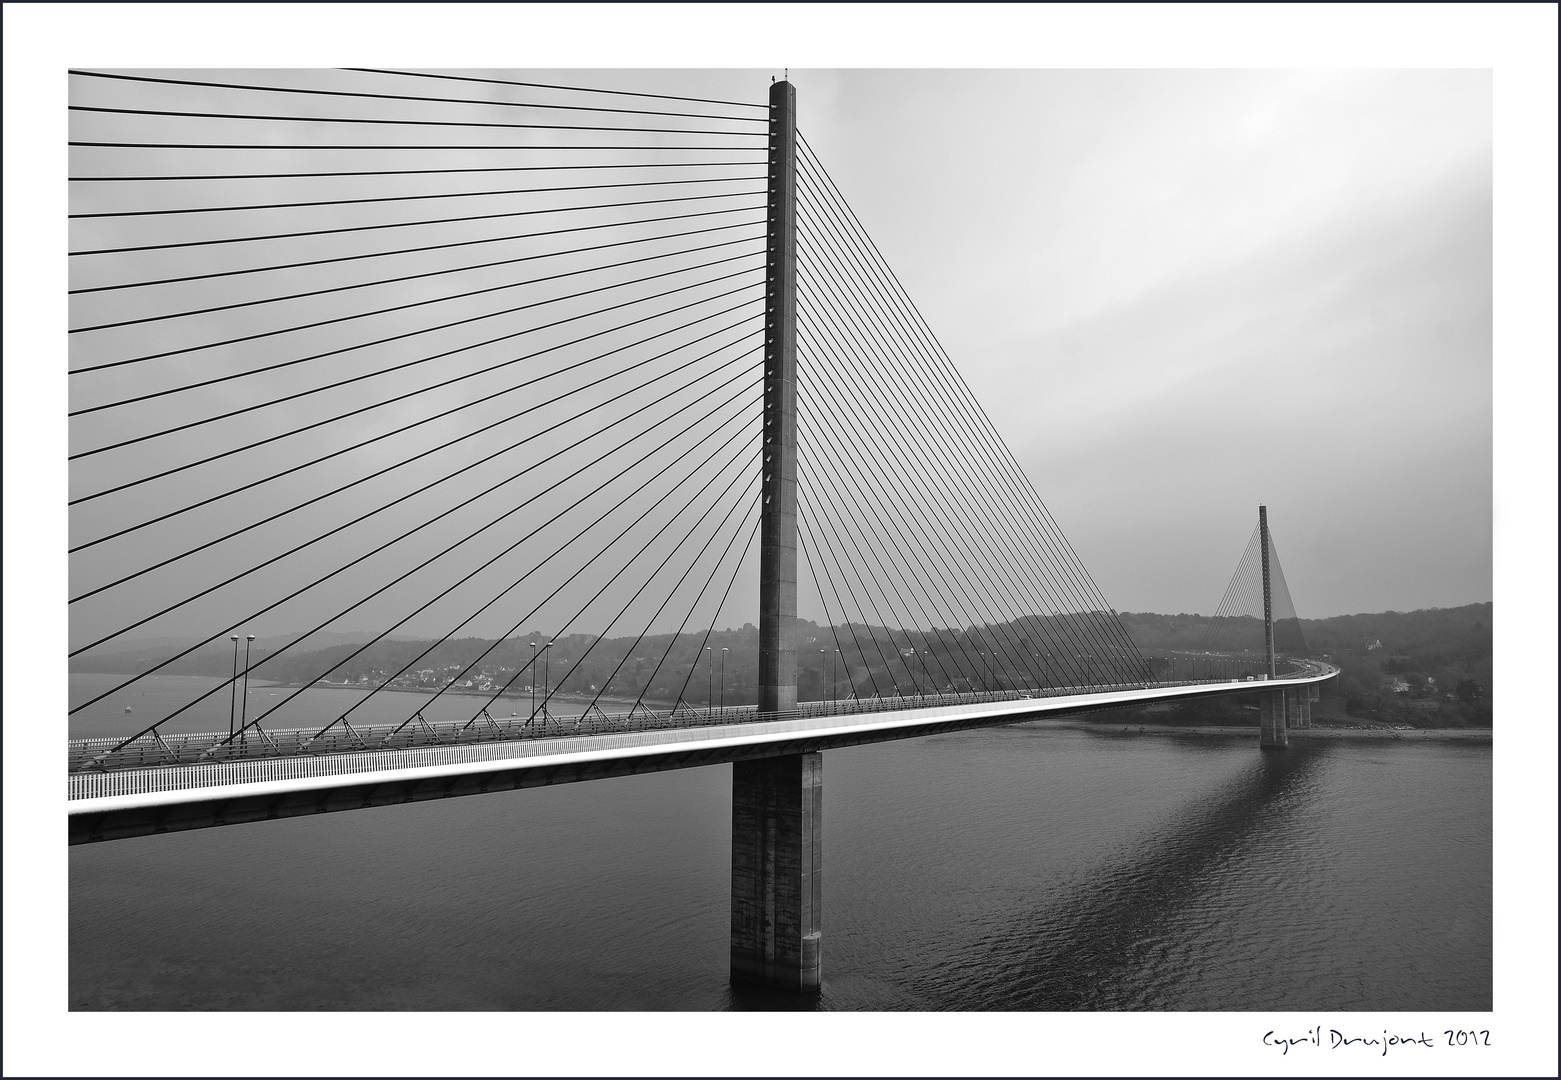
1338	1040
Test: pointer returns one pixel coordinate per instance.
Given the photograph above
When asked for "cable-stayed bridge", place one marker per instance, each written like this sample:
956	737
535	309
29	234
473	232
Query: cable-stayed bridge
468	359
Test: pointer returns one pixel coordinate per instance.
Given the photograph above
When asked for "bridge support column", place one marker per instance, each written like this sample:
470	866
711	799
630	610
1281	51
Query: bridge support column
1300	715
777	871
778	512
1273	733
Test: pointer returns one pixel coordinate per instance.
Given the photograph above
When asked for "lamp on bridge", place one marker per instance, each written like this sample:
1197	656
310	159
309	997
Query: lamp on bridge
709	680
532	679
547	670
243	711
724	651
233	688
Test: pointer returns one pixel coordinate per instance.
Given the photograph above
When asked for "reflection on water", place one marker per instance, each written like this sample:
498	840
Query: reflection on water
1021	868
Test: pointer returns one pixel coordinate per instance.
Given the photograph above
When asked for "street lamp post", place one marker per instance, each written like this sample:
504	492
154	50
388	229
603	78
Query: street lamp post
709	681
834	682
233	689
547	670
243	713
533	680
724	651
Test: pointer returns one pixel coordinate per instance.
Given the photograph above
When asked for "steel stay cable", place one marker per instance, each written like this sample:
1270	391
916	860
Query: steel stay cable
830	363
757	519
850	629
396	337
407	97
406	198
908	631
652	576
882	589
554	86
445	513
426	274
108	145
417	250
565	546
446	326
431	450
527	258
1238	595
834	486
834	392
871	634
676	634
417	423
1230	589
431	484
976	476
348	318
982	476
1244	589
805	520
359	603
586	607
954	493
962	401
407	172
834	688
410	123
670	594
426	359
843	453
605	548
933	630
413	224
1005	456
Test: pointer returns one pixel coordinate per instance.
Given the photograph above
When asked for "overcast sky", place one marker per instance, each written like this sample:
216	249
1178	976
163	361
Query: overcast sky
1180	294
1176	294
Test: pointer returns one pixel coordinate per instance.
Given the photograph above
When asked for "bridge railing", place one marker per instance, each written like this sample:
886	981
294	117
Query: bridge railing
155	750
196	748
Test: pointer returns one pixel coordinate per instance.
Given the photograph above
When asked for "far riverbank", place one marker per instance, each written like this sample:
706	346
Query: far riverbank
1474	736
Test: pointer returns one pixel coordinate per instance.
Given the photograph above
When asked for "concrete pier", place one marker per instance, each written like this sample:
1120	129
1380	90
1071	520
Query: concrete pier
1298	705
778	871
1273	733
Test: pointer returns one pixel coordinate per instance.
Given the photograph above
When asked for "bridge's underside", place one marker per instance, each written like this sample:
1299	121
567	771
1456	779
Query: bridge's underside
139	802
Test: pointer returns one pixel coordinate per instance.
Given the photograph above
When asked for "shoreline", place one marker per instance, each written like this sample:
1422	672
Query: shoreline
1474	736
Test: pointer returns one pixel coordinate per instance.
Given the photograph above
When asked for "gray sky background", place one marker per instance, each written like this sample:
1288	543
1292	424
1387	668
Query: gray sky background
1179	294
1176	294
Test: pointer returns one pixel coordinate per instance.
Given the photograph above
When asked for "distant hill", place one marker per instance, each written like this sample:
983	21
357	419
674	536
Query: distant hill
214	658
1429	668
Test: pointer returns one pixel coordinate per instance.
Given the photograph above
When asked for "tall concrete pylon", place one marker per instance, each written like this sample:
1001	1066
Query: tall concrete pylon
777	802
1273	731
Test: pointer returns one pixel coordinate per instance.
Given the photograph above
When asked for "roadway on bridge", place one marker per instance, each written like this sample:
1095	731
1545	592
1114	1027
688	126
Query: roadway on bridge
557	760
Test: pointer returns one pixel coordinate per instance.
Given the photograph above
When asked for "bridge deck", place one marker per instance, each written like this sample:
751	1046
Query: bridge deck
532	762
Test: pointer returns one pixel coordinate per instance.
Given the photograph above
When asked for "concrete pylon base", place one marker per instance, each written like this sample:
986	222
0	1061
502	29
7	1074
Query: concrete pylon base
1273	733
777	871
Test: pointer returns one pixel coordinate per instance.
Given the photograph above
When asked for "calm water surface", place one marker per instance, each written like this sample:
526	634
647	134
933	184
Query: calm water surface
1033	867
